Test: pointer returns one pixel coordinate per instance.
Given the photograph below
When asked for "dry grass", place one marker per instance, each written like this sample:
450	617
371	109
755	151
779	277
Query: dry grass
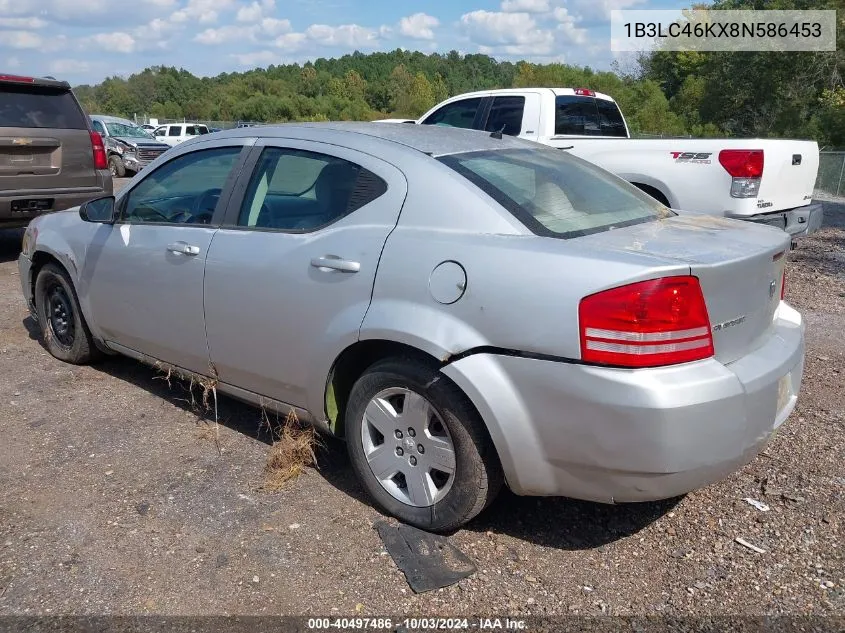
291	453
202	403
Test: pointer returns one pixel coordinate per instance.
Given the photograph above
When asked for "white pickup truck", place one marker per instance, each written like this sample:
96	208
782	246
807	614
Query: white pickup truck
762	180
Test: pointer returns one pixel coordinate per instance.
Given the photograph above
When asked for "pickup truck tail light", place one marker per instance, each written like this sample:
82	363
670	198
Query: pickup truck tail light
746	169
646	324
100	159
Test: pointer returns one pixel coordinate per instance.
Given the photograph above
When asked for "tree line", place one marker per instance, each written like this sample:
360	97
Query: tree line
796	95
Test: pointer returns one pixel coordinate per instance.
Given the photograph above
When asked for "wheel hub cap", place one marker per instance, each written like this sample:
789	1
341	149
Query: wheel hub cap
61	316
408	447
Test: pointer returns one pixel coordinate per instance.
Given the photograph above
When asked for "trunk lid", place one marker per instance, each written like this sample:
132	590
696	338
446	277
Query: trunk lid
739	265
45	142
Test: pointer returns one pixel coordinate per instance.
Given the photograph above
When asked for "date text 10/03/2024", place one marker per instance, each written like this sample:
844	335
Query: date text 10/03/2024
417	624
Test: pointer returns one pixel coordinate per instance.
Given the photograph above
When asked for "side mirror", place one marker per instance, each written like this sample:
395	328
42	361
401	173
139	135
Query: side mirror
99	210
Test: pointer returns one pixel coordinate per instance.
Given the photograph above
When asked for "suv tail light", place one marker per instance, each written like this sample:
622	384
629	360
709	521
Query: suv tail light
584	92
100	159
18	79
746	168
646	324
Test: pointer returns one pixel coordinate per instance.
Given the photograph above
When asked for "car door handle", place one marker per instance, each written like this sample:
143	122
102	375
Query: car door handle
333	262
183	249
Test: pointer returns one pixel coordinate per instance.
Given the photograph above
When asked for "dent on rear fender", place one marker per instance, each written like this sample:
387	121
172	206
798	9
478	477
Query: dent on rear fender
426	328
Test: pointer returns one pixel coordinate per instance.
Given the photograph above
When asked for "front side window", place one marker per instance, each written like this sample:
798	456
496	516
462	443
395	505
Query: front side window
506	115
298	190
458	114
555	194
161	131
175	130
184	190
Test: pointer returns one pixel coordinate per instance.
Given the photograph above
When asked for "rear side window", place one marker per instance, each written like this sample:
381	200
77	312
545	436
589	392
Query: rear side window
555	194
610	119
576	115
99	127
298	190
458	114
196	130
33	107
506	115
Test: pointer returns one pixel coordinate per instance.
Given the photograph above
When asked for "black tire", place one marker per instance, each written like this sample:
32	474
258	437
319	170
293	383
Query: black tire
116	166
478	473
66	334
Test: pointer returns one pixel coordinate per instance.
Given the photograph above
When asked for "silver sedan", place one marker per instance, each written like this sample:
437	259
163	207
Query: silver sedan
466	309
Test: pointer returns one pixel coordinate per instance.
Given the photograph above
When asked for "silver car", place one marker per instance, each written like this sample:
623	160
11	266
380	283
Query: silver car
466	309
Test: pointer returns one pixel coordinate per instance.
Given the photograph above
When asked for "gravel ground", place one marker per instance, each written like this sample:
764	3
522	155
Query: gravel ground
114	500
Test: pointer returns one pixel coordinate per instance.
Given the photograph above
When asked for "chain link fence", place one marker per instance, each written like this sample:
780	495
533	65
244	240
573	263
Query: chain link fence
831	178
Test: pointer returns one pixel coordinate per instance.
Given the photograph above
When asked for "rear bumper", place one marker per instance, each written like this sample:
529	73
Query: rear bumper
616	435
61	199
798	222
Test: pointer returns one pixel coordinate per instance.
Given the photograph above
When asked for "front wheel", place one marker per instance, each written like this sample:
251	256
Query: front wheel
66	334
419	447
116	166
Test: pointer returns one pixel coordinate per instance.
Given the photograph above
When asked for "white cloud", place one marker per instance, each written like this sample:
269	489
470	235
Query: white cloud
69	66
259	58
204	11
268	28
22	23
346	35
291	42
119	42
13	62
419	26
525	6
255	11
21	39
507	33
567	29
600	9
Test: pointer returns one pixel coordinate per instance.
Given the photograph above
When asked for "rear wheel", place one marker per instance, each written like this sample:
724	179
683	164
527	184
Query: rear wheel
66	334
419	447
116	166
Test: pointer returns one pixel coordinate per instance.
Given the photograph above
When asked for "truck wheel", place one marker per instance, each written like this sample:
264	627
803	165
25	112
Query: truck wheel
66	334
116	166
419	446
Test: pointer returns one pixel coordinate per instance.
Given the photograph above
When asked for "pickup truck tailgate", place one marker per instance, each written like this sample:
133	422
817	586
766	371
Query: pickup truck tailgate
789	174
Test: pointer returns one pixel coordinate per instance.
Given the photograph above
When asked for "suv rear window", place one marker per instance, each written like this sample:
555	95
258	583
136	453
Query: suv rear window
588	116
33	107
554	194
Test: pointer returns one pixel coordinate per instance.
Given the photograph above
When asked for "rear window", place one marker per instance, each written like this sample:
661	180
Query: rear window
587	116
31	107
555	194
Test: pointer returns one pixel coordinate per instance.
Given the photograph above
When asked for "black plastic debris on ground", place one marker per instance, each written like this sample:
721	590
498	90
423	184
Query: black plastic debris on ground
428	561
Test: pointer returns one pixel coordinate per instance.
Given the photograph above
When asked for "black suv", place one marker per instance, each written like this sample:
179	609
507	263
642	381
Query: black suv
50	158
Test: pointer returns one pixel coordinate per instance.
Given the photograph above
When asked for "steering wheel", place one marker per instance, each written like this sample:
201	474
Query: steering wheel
206	201
137	212
201	218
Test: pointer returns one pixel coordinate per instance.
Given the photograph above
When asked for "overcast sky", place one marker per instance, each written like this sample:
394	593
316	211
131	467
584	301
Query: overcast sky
84	41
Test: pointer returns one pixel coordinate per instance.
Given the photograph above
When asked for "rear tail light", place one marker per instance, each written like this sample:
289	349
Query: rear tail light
646	324
746	168
18	79
100	159
584	92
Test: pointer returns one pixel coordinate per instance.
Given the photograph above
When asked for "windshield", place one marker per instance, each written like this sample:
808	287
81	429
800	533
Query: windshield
555	194
130	131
